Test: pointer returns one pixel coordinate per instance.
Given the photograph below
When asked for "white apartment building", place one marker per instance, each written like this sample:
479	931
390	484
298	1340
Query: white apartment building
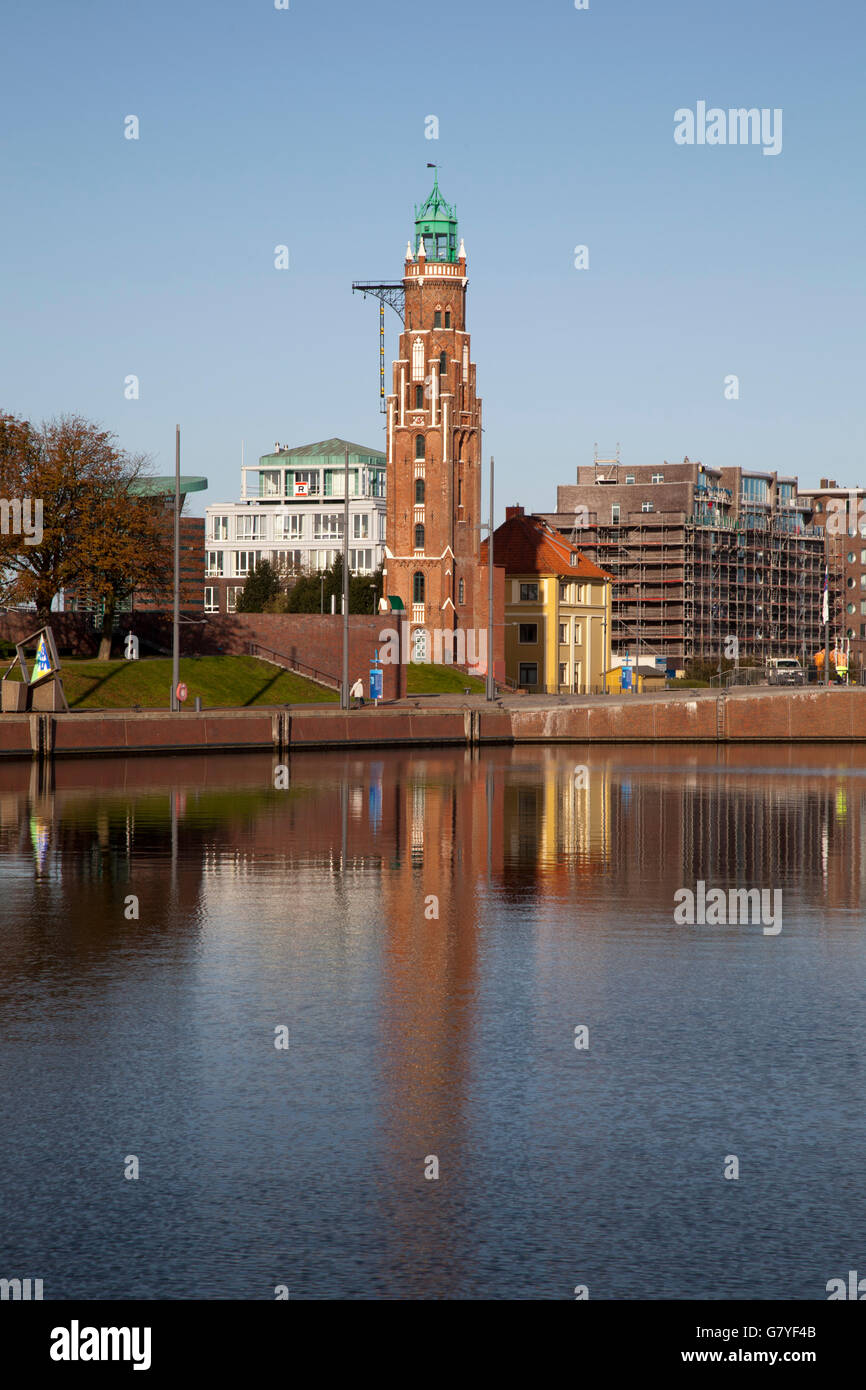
291	512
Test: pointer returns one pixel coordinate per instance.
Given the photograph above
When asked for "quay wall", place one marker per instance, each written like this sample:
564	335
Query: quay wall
806	716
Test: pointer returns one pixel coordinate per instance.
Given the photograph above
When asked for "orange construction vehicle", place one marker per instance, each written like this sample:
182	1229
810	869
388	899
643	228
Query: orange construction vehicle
838	661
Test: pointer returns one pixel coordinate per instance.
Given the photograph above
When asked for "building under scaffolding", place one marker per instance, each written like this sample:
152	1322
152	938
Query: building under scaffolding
708	563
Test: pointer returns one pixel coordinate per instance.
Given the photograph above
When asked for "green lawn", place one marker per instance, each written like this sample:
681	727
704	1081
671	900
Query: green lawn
223	681
440	680
219	680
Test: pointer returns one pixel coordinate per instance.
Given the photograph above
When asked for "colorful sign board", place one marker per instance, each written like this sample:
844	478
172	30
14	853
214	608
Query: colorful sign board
43	665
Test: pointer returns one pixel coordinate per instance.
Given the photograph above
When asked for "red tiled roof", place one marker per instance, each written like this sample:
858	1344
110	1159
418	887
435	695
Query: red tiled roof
527	545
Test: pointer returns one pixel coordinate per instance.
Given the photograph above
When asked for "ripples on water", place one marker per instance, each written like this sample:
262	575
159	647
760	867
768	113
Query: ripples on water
413	1036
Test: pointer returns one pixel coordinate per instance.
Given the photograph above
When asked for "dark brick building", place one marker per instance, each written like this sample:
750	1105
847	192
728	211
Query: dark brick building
192	560
841	511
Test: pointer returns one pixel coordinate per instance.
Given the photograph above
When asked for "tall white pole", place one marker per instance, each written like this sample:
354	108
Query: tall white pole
491	683
344	694
175	637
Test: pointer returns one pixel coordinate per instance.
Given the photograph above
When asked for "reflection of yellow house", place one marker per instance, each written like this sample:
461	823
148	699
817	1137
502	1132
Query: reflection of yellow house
557	608
557	818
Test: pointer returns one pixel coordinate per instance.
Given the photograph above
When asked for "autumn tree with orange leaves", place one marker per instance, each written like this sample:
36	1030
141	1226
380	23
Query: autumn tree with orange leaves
97	534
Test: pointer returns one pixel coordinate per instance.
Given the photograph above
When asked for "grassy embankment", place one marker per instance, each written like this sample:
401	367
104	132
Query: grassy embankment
221	681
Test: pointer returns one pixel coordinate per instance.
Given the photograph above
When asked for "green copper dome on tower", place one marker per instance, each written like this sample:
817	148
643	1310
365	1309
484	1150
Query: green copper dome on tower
436	224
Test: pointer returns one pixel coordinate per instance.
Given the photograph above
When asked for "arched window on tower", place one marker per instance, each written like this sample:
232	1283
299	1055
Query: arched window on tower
465	361
448	317
419	537
419	491
418	587
437	316
443	363
418	359
420	450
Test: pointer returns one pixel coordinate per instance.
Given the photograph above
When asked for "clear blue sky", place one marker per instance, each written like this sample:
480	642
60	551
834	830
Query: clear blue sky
306	127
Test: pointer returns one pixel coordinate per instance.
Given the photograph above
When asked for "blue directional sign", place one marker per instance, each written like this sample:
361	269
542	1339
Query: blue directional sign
375	683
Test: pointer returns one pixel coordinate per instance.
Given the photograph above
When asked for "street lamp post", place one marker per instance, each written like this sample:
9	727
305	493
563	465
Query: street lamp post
344	693
490	684
175	630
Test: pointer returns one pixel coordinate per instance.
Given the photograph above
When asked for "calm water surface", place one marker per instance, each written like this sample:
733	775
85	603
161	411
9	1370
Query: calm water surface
411	1036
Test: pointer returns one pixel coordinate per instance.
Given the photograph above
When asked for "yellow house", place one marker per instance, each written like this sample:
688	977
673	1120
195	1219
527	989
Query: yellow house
557	609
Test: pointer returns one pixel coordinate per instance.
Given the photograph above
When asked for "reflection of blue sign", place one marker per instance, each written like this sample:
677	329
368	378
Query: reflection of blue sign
375	684
671	672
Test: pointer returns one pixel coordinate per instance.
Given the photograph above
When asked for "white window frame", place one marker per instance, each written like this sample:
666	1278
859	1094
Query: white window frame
252	558
334	529
289	526
250	526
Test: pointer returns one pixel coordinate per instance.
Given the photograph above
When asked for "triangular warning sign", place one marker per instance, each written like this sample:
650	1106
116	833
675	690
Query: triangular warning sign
43	661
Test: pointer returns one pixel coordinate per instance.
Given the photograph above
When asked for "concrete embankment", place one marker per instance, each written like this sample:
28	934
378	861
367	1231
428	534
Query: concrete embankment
834	715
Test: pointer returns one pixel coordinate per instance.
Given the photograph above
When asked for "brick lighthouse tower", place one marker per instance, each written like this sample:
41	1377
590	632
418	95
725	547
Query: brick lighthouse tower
434	441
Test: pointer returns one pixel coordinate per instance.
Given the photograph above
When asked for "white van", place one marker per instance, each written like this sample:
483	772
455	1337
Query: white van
785	670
